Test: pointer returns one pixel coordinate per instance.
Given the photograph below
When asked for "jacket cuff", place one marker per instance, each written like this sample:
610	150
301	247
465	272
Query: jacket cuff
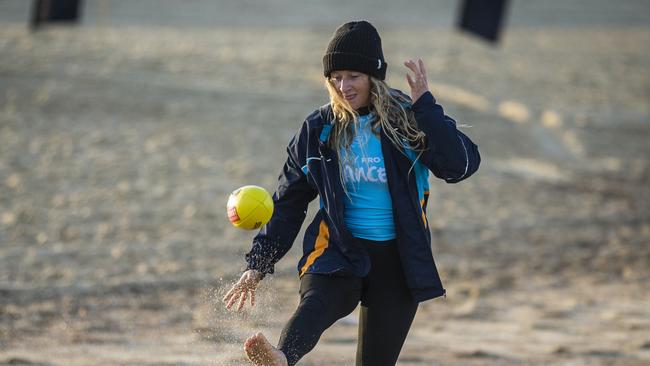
259	258
424	101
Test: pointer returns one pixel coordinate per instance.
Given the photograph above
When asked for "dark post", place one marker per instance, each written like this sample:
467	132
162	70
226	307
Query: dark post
47	11
483	18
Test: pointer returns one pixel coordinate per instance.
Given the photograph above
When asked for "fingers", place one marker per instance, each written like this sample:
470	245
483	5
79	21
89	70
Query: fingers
417	68
229	294
234	294
239	294
411	65
242	290
242	300
233	299
423	71
410	81
419	79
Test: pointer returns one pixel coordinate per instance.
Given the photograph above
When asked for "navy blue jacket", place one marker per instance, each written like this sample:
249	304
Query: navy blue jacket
312	169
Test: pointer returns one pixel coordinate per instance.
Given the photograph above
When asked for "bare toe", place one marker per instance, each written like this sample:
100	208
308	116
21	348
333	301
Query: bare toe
261	353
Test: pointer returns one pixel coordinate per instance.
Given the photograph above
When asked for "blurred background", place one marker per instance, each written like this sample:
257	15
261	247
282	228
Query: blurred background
122	135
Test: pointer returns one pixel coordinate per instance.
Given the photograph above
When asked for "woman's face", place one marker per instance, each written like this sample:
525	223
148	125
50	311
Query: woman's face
353	86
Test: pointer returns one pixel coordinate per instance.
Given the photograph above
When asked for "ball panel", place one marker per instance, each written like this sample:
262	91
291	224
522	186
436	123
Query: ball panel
245	205
256	193
249	207
268	204
256	218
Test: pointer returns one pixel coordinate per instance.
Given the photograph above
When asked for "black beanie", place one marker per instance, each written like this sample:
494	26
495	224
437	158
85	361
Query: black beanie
355	46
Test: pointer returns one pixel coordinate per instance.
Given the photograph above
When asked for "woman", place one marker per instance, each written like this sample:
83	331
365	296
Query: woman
367	155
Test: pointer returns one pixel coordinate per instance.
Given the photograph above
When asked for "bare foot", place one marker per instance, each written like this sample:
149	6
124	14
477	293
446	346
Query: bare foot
262	353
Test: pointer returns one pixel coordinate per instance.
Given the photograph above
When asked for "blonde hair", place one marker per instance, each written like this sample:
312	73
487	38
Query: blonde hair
392	116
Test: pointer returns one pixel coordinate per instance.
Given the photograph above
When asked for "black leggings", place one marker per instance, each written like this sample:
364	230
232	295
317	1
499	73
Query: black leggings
387	309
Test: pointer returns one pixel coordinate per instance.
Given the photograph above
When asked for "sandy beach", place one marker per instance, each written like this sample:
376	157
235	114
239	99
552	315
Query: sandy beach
121	138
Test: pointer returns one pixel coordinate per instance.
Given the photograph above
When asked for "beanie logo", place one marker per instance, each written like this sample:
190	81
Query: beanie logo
378	63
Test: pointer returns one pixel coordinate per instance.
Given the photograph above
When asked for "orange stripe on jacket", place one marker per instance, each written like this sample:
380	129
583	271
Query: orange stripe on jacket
424	209
322	241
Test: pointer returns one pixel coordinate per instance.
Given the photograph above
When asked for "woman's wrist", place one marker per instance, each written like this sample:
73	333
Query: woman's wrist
256	274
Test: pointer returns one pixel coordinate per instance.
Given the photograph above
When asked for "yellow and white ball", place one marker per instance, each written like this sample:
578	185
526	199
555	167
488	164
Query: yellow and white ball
249	207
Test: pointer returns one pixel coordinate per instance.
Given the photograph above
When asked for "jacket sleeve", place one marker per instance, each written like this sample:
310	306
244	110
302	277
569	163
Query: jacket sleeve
290	201
451	155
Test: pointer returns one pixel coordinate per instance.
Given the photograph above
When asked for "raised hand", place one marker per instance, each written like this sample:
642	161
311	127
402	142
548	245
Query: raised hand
243	289
418	82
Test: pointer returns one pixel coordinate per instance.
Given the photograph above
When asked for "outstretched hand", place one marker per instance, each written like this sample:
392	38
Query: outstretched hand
243	289
418	82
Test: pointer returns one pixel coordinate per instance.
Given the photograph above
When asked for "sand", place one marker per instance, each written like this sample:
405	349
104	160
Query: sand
119	145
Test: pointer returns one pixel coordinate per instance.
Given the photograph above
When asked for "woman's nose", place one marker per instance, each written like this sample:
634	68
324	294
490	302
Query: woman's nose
344	85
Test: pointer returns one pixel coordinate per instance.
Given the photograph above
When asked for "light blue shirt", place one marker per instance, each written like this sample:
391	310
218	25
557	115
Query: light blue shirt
368	205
